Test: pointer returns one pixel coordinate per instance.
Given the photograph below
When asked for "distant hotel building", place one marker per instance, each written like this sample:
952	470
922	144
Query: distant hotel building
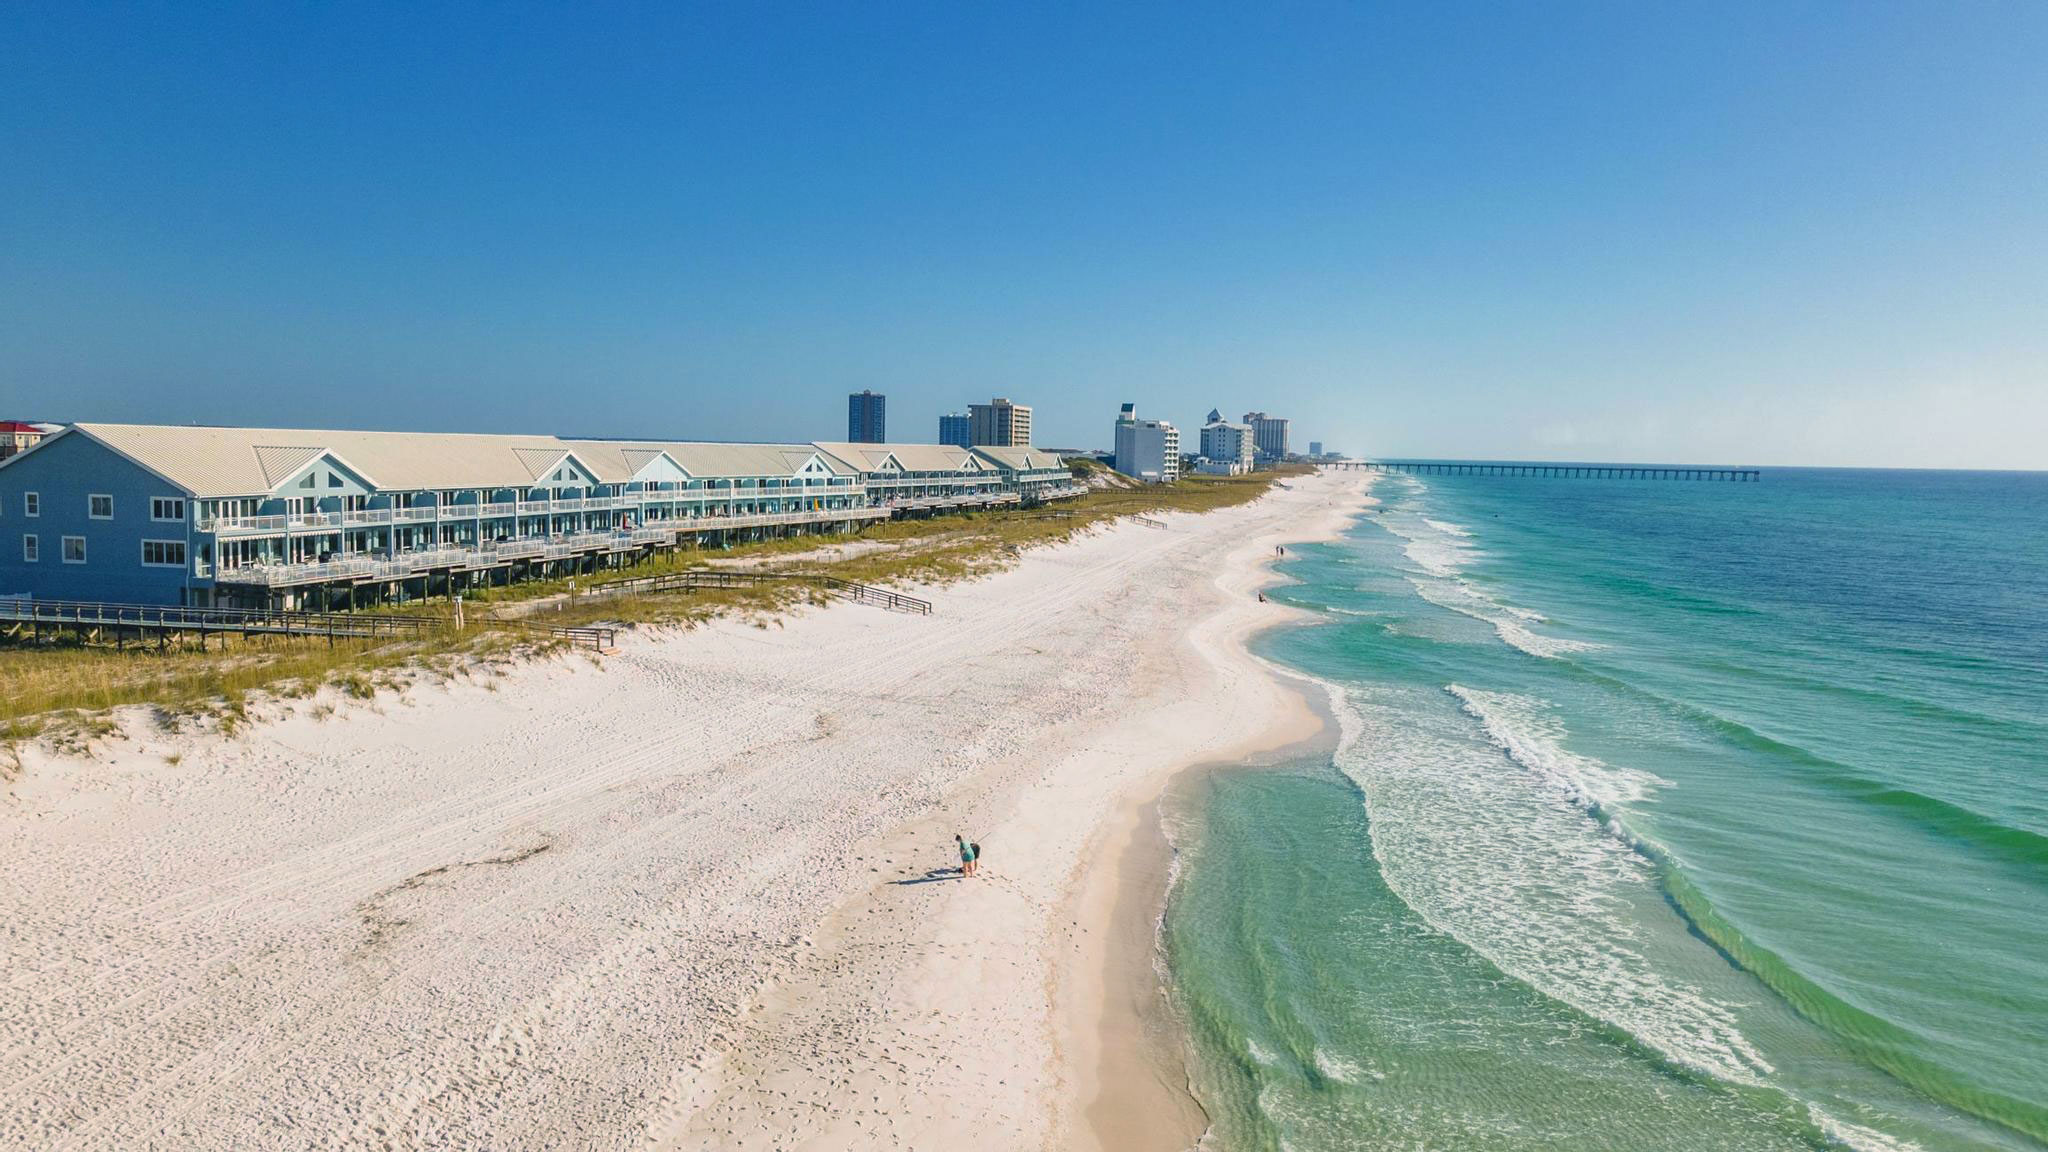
1270	432
1147	450
866	421
1231	447
957	430
294	518
1315	447
999	424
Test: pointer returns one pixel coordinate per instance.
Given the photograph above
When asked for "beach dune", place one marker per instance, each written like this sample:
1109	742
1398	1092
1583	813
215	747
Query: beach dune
695	895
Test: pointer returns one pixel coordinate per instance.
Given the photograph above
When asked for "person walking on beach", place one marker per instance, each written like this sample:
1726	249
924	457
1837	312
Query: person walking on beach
967	855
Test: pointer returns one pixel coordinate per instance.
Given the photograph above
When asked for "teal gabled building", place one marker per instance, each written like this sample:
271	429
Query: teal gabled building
165	514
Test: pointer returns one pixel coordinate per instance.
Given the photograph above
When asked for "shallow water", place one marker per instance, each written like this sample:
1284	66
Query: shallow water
1666	815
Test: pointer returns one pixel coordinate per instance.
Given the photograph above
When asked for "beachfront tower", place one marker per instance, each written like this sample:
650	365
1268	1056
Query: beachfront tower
999	424
865	422
957	430
1271	434
1147	450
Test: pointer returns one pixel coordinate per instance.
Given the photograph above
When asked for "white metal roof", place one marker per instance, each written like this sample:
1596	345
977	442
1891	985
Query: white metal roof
709	458
219	462
1020	459
912	457
251	461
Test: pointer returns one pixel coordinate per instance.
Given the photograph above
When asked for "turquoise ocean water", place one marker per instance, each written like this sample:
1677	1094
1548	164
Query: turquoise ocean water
1666	816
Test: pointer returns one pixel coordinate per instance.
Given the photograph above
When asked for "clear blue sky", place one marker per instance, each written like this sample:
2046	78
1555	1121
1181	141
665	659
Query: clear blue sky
1780	232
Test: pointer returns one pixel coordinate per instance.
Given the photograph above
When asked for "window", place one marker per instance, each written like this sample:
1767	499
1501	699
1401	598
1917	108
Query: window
100	507
166	508
308	481
74	549
31	549
31	504
334	479
163	553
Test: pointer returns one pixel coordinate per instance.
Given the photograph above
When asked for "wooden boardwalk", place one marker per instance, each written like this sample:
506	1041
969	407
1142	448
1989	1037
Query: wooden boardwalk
1554	471
121	623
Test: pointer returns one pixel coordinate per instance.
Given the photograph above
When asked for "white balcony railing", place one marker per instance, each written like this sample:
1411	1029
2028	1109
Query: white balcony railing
407	564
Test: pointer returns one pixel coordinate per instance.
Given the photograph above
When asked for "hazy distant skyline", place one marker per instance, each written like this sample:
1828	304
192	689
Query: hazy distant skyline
1748	233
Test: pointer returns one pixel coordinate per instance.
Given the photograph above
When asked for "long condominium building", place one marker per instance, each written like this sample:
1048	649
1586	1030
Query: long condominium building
999	424
287	517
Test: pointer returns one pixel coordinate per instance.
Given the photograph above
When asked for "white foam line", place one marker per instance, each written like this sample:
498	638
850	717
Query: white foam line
1461	597
1693	1031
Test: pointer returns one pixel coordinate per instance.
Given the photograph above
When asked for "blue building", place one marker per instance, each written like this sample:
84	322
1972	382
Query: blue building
298	518
866	418
956	429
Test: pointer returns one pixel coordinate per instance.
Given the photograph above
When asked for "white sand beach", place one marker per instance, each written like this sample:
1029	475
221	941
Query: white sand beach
692	895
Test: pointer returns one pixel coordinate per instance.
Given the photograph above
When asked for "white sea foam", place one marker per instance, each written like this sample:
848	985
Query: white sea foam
1440	556
1460	596
1260	1054
1856	1135
1343	1071
1534	738
1504	862
1442	549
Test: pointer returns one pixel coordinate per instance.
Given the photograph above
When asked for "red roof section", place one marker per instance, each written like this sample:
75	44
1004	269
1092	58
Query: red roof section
17	426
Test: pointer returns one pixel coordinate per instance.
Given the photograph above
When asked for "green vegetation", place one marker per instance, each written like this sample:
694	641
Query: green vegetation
61	689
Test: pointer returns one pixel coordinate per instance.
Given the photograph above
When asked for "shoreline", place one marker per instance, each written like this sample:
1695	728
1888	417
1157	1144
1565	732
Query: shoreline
1128	1043
933	1012
699	894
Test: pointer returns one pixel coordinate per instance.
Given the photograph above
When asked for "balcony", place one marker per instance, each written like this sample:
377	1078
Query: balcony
408	564
314	522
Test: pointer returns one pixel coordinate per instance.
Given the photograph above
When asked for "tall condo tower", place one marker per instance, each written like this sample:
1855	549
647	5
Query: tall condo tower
866	421
1270	432
999	424
1147	450
957	430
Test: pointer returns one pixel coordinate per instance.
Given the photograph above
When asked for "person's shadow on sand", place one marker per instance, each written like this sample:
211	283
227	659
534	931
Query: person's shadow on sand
934	874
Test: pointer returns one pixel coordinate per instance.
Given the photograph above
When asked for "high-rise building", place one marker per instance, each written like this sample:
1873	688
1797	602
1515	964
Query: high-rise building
999	424
1147	450
866	421
1227	443
1270	432
1315	447
956	429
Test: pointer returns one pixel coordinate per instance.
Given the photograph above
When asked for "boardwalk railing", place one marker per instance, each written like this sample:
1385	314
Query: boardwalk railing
702	578
597	637
163	621
1149	522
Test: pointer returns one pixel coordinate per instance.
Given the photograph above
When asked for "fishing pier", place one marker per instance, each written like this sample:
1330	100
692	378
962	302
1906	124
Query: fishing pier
1553	471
